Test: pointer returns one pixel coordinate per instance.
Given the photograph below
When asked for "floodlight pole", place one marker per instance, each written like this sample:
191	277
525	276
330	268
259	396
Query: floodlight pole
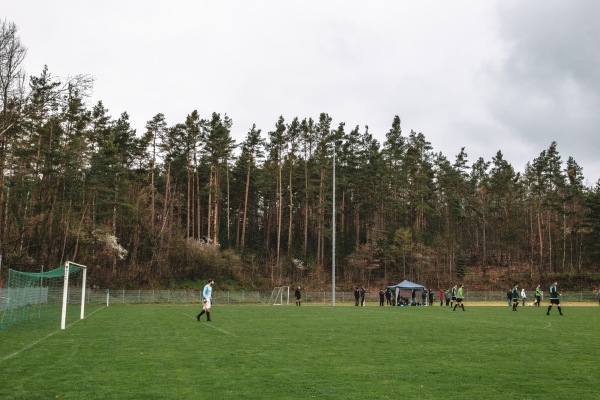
333	236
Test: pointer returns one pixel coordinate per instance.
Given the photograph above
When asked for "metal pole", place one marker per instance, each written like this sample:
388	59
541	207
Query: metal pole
83	283
63	318
333	236
40	293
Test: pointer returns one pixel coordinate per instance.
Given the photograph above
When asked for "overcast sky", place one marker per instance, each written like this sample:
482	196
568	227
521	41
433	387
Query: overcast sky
487	75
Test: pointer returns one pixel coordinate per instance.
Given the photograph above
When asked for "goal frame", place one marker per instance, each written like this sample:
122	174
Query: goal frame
279	295
64	295
63	317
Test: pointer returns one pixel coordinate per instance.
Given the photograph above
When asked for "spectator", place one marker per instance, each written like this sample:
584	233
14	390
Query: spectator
362	296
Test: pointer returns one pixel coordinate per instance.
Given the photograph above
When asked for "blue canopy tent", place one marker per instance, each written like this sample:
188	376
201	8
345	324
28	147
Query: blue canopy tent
406	285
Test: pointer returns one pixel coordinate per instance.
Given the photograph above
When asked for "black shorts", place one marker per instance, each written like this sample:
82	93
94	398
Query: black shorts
453	297
459	300
554	301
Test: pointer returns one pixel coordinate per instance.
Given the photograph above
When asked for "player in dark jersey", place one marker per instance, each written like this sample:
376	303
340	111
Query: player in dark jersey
298	296
554	298
515	296
453	295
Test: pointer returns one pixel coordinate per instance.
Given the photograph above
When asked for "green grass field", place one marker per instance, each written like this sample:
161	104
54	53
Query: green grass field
320	352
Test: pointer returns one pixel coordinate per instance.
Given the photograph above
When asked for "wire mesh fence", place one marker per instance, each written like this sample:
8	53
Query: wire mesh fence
121	296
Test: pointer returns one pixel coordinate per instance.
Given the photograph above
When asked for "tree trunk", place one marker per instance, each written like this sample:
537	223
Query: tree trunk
306	210
245	217
541	244
209	205
79	228
189	230
216	210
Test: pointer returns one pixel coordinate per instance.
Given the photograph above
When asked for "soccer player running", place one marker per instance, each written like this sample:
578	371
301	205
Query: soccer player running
554	298
515	297
206	300
459	298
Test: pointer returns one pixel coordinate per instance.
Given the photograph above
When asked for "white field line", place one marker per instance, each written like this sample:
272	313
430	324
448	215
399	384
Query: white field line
212	326
16	353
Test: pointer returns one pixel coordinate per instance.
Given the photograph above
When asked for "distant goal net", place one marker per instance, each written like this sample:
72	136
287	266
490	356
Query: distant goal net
44	297
280	296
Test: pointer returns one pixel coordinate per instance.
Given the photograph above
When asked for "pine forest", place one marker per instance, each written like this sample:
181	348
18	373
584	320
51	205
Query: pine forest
182	201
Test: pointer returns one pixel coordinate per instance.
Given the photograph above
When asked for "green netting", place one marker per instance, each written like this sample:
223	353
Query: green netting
38	296
55	273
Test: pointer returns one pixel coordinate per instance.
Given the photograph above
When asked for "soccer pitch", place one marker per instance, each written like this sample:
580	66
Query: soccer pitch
320	352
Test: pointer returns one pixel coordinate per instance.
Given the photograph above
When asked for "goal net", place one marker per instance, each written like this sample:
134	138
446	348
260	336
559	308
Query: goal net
44	296
280	296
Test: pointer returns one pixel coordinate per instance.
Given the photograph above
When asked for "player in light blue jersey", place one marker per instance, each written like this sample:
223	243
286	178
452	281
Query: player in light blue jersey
206	300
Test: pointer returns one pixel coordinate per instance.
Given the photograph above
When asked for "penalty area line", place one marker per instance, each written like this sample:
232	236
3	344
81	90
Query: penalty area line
16	353
212	326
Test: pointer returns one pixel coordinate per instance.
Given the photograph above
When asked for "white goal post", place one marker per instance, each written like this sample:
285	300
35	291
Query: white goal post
280	296
63	318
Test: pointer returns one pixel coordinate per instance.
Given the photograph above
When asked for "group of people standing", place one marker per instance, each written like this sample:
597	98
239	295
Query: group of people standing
359	296
514	296
452	297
